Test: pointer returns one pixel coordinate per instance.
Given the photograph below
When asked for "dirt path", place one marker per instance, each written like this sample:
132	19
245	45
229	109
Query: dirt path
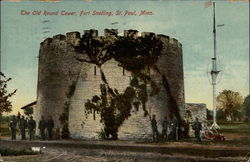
77	151
55	154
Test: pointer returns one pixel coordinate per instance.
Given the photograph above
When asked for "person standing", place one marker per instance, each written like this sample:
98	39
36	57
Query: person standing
186	128
154	128
50	126
27	120
165	129
42	126
31	127
175	128
197	127
13	123
22	127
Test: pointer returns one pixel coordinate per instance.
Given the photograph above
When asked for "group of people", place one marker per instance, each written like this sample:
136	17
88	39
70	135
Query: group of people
175	127
48	125
30	124
23	124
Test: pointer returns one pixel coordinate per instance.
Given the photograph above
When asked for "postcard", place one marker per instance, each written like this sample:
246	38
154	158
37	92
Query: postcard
92	80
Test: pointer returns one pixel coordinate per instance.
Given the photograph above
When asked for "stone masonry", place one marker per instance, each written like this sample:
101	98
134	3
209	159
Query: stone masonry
59	69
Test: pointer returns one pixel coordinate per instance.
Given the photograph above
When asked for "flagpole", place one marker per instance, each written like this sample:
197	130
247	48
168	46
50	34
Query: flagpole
214	73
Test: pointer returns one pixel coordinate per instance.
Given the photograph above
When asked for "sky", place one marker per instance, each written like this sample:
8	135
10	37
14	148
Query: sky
187	21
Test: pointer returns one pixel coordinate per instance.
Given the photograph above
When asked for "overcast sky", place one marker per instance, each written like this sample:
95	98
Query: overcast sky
187	21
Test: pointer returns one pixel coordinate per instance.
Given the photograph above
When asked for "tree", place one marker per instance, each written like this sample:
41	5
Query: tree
28	111
221	115
5	103
230	102
246	106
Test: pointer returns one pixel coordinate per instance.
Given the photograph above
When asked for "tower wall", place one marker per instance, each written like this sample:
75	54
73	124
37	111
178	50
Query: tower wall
58	69
171	65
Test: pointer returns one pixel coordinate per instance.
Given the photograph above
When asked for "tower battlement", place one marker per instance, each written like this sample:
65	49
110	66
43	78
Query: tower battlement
73	37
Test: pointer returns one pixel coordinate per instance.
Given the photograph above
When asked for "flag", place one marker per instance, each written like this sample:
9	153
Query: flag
220	25
208	4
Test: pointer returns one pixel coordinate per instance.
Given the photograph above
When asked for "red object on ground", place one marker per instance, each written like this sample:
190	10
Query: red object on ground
214	136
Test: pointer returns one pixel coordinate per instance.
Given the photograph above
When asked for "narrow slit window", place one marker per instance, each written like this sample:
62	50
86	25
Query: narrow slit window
94	70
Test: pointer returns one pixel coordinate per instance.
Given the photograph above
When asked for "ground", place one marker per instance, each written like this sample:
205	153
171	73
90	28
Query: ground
235	148
124	151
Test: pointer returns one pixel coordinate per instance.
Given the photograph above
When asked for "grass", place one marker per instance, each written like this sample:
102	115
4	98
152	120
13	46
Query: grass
235	128
12	152
4	129
240	129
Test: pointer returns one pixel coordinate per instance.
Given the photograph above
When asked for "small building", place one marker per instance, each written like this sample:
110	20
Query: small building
196	110
32	104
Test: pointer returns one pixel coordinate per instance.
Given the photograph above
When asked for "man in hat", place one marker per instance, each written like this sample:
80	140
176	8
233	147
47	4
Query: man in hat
22	127
154	128
13	124
197	127
31	127
42	127
50	126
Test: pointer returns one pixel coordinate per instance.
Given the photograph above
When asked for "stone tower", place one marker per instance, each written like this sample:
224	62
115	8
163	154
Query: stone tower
63	79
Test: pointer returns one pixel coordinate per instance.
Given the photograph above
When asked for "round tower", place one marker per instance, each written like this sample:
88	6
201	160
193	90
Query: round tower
65	84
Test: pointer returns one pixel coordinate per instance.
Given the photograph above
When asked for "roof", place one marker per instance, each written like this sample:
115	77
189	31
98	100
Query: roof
28	105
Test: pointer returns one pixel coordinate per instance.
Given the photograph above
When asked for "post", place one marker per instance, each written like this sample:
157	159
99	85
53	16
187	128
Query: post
214	73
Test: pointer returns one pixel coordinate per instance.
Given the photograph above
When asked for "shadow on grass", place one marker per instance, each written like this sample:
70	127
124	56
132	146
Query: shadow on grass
13	152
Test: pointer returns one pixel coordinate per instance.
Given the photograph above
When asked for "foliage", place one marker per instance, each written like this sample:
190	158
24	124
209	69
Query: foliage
238	114
64	119
229	101
4	125
5	119
220	114
101	134
97	50
5	103
246	106
71	91
28	111
136	55
115	107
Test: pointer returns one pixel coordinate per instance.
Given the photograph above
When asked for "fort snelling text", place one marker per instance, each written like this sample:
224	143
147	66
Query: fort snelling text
87	13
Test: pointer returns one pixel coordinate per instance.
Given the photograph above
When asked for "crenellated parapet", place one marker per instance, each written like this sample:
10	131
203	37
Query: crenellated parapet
73	38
